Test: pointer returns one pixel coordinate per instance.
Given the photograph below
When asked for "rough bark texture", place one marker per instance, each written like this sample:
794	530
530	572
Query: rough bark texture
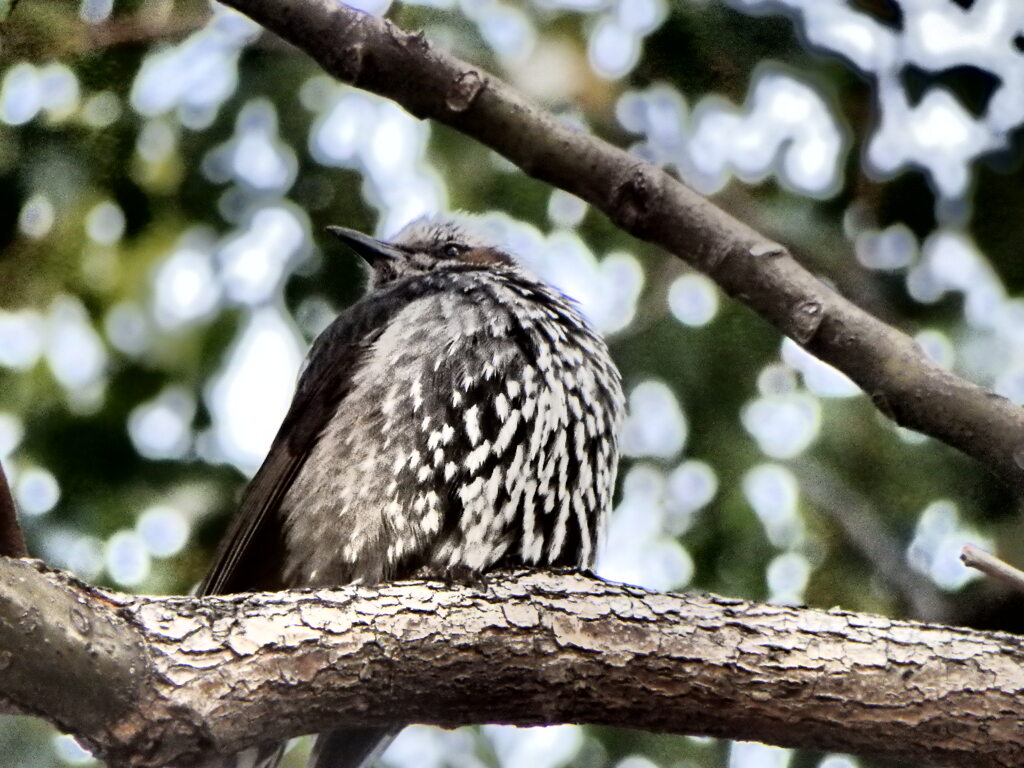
156	681
902	382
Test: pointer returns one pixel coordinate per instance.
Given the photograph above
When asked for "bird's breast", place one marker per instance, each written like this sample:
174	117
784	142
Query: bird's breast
475	433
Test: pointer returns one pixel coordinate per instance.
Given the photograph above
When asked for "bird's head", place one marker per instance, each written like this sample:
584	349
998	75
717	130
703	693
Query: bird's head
421	247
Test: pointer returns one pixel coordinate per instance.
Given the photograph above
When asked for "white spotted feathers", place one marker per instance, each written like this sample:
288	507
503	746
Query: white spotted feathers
478	429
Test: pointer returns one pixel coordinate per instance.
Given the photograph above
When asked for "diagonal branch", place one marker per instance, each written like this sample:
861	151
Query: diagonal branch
864	529
642	199
148	682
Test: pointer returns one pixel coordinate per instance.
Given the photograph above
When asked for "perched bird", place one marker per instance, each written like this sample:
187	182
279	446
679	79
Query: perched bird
461	417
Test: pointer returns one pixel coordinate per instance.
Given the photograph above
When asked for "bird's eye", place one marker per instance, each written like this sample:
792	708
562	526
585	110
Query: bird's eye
453	250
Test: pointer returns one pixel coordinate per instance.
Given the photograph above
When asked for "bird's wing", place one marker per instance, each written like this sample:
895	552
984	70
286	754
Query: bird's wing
250	554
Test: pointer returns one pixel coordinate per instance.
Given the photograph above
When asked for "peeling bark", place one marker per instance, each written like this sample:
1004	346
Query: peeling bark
180	678
907	387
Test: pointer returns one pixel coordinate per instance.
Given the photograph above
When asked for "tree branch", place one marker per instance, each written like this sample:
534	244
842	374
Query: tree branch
373	54
973	557
156	681
12	540
865	531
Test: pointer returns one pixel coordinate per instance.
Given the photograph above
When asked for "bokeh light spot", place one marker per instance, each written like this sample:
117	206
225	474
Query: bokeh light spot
655	424
693	299
773	493
161	428
164	530
36	491
126	558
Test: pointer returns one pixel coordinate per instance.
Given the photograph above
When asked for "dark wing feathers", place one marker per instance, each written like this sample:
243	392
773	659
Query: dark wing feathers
351	747
250	554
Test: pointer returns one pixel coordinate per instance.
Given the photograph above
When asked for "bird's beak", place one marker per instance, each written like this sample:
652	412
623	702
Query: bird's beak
372	251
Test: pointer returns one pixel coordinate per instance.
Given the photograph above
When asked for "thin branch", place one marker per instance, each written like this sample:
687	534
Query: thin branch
864	529
375	55
991	565
149	682
138	29
12	540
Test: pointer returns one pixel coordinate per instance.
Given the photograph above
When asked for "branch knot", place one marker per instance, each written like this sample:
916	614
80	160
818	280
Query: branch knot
633	200
464	90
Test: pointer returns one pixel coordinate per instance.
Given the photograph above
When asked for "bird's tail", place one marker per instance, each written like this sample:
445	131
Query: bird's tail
343	748
351	747
263	756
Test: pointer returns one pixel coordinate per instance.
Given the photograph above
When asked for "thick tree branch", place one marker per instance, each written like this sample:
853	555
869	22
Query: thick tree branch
64	654
902	382
157	681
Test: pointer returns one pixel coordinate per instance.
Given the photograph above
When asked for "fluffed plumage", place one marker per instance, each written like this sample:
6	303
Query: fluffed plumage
461	417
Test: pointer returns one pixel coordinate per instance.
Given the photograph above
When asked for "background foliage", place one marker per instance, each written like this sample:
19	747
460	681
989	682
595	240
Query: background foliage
166	174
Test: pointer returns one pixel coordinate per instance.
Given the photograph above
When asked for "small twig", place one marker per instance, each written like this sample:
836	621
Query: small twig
12	541
992	566
138	29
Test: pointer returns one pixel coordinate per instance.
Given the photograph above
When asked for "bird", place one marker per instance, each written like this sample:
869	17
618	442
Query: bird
461	417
